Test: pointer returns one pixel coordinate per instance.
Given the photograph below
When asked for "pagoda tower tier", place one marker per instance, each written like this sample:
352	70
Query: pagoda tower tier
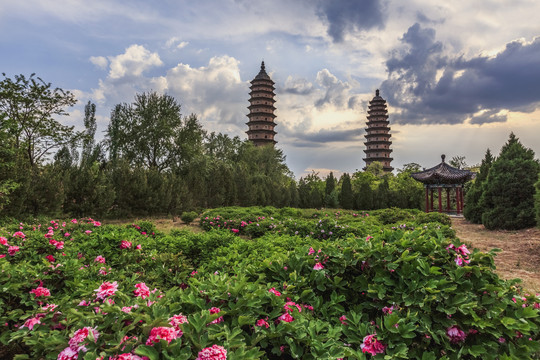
261	107
378	134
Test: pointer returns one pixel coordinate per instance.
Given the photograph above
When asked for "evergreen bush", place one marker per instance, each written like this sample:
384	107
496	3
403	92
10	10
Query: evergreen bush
508	197
188	216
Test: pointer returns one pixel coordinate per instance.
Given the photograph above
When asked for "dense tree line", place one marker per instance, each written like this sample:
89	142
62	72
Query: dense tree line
503	194
155	161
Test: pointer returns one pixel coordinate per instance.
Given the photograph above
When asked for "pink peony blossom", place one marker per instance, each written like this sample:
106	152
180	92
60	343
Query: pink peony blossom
124	244
142	290
68	354
288	306
49	307
97	223
236	231
80	336
261	323
138	247
215	352
343	320
163	333
3	241
274	291
387	310
286	317
106	289
30	323
455	334
12	250
40	291
73	221
371	345
99	259
50	258
318	266
19	234
215	310
88	232
177	320
126	356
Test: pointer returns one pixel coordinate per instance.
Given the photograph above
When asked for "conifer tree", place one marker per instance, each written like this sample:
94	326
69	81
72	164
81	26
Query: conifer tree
537	202
508	197
346	195
473	209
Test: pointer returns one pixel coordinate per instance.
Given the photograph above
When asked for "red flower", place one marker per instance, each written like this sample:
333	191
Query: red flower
163	333
455	334
371	345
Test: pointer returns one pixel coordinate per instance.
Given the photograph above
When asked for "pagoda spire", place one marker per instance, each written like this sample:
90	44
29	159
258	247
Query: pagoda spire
261	110
378	134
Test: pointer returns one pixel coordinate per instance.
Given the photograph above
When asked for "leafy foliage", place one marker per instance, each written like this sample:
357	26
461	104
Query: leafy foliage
508	196
278	296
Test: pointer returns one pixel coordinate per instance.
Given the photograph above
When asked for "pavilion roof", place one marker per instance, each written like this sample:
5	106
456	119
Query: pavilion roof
443	174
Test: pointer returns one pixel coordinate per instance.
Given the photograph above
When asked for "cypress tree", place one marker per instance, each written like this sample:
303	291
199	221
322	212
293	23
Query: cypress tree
346	195
508	197
473	209
537	202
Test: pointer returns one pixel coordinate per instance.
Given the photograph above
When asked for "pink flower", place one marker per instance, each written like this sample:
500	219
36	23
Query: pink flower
274	291
163	333
369	237
236	231
288	307
177	320
343	320
97	223
502	340
215	310
30	323
99	259
88	232
286	317
463	250
311	251
74	221
124	244
2	256
371	345
318	266
126	309
261	323
80	336
126	356
12	250
142	290
50	258
19	234
49	307
84	303
215	352
68	354
138	247
106	289
3	241
455	334
40	291
387	310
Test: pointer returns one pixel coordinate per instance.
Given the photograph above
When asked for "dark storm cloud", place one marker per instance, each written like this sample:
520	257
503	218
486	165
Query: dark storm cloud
345	16
507	81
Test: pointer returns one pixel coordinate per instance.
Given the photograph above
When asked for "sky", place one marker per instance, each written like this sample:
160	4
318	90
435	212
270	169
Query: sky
458	76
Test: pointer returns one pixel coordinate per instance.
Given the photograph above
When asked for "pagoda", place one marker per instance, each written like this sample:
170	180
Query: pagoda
261	110
378	134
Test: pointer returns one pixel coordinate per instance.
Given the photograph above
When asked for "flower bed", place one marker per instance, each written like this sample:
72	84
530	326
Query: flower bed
80	290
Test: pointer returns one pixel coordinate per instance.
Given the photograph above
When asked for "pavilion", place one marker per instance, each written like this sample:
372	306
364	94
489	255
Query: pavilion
444	176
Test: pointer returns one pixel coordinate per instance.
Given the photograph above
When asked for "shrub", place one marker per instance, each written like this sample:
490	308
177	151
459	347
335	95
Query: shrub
188	216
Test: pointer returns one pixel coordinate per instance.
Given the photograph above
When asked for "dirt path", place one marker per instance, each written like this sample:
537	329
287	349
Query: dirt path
520	255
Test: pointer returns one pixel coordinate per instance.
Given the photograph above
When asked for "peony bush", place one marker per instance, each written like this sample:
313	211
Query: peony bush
77	289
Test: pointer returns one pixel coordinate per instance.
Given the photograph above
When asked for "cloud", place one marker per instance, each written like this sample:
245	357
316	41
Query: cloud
336	92
427	85
346	16
133	62
99	61
297	86
176	43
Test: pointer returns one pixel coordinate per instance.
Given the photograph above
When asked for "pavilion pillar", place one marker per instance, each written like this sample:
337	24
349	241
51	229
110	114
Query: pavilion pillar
440	198
427	199
458	201
448	200
431	208
462	201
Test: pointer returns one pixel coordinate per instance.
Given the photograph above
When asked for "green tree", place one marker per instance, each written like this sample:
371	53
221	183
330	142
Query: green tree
508	197
150	132
30	106
346	195
330	194
473	208
458	162
537	202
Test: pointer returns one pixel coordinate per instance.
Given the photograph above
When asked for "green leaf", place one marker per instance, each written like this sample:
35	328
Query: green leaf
148	351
